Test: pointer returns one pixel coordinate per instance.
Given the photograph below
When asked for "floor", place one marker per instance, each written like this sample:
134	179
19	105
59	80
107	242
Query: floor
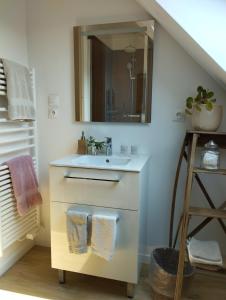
32	278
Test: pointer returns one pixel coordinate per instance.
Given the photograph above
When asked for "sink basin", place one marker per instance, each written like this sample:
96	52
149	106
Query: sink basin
90	160
114	162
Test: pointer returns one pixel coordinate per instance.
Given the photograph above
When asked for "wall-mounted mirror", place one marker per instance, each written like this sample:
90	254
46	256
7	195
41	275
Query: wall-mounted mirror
113	72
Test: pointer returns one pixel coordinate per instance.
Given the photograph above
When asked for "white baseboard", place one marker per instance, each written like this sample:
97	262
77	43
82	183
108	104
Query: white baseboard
13	254
145	257
43	243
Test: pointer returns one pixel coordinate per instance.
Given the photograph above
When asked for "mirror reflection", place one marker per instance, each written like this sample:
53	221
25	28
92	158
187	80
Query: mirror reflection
113	72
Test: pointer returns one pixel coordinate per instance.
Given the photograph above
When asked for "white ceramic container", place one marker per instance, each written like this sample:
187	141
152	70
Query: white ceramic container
206	120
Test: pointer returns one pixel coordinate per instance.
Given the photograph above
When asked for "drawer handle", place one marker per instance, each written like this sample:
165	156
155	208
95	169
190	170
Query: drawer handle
90	178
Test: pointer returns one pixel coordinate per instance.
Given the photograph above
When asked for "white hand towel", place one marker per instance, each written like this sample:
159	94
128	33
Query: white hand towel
206	252
77	228
19	91
104	231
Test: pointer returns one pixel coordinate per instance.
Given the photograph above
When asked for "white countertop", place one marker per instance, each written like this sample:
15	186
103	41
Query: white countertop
135	164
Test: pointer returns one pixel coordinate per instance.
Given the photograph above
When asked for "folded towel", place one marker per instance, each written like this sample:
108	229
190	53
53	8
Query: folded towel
77	230
19	91
24	182
206	252
104	235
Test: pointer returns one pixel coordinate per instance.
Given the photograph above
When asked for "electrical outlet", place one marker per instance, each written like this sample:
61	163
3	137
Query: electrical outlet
53	106
180	116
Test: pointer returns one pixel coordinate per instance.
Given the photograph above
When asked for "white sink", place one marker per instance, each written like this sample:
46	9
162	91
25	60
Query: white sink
132	163
99	161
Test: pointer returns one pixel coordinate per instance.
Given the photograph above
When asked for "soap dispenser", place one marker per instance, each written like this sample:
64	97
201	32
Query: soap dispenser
82	144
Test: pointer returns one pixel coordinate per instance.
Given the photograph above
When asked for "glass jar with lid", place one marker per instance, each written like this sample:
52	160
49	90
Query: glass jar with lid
210	156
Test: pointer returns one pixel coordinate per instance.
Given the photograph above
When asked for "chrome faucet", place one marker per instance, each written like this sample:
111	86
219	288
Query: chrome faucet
108	146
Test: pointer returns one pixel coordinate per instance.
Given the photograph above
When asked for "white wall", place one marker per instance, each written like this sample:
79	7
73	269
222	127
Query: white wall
13	46
203	40
208	34
13	30
176	75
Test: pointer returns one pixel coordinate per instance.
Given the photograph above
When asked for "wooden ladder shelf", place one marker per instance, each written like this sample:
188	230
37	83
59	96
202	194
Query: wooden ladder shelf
192	140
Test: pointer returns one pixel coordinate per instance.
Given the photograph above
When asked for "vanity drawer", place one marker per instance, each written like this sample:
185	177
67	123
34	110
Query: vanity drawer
105	188
124	264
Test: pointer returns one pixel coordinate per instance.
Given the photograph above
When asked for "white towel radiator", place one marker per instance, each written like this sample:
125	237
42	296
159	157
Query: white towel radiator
16	138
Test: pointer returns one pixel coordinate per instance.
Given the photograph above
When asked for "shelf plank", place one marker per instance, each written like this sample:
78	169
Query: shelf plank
207	212
218	137
207	132
3	109
208	171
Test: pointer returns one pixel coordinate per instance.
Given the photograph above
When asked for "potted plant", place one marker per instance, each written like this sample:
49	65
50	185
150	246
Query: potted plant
206	115
95	147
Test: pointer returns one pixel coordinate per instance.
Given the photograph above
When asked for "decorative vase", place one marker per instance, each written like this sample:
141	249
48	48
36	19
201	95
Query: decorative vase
206	120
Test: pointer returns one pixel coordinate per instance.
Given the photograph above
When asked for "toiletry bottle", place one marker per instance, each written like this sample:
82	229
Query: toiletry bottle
82	145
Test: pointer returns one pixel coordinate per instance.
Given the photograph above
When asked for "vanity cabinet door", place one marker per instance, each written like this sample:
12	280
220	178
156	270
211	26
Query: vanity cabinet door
103	188
124	264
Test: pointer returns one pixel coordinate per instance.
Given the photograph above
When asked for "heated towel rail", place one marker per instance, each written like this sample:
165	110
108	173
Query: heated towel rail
16	138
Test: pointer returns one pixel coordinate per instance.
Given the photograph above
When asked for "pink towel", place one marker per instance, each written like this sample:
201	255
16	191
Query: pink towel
24	182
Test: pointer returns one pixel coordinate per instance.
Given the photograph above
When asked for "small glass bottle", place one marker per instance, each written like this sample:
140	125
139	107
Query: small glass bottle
124	150
210	156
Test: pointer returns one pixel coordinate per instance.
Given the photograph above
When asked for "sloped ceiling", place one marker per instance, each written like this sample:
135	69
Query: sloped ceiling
199	27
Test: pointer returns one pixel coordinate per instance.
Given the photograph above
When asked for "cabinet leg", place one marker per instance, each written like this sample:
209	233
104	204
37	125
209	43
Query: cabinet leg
131	290
61	276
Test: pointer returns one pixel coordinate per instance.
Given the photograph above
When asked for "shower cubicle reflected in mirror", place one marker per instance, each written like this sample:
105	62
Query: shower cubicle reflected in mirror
113	72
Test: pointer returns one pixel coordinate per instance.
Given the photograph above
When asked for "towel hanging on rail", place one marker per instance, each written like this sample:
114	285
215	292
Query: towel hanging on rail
24	182
104	232
19	91
77	230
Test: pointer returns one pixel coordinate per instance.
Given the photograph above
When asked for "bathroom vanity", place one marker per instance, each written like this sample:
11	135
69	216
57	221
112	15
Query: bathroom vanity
101	184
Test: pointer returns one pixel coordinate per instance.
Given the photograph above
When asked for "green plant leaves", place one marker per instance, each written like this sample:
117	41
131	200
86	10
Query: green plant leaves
209	105
203	97
198	98
204	94
210	94
99	145
91	141
188	112
199	89
189	102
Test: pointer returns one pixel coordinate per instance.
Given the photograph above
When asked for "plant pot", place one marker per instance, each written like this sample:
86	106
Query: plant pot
206	120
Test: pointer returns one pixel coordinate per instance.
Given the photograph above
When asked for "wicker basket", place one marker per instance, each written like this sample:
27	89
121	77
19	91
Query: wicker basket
163	271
